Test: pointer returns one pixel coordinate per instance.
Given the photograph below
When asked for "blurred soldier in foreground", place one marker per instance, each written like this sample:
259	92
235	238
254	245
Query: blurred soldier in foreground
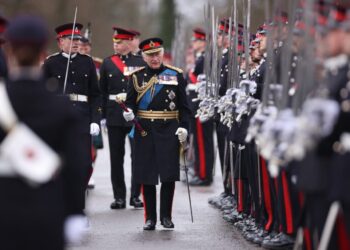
41	173
79	84
3	67
115	73
156	94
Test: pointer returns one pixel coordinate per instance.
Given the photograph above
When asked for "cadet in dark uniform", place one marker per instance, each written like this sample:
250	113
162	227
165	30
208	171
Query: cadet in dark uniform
81	86
3	67
115	71
33	216
156	94
202	132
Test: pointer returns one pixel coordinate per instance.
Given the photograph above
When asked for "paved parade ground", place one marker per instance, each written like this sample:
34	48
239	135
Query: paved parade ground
122	229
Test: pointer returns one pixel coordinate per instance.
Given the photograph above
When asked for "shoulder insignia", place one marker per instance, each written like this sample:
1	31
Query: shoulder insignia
54	54
173	68
137	70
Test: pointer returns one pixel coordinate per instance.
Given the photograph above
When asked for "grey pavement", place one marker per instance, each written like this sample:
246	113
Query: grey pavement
122	229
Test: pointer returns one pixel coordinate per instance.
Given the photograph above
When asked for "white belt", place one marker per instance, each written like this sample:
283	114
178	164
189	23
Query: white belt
78	98
112	97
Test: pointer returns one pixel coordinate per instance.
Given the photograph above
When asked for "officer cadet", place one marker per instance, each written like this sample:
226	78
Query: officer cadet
202	131
81	85
3	67
115	72
135	42
35	211
156	94
85	48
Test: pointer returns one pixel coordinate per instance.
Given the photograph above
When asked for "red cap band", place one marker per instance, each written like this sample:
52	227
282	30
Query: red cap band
151	46
68	32
123	37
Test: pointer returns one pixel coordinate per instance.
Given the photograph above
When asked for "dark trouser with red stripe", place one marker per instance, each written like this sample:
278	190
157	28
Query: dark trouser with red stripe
150	200
221	135
204	148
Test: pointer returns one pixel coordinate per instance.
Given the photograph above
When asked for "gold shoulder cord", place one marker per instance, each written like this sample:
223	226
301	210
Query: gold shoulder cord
143	89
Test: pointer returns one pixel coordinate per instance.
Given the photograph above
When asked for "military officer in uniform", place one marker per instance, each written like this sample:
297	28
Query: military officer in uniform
115	71
202	131
156	95
81	85
33	214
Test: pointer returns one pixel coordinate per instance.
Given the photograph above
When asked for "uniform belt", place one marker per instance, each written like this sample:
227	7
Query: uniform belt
112	97
149	114
78	98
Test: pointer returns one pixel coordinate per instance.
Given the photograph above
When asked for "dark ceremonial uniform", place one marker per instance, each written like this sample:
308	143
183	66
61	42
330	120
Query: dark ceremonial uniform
82	89
158	99
3	66
202	132
115	72
32	218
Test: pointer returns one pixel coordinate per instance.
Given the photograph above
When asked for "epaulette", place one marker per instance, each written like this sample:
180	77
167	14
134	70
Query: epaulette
173	68
137	70
97	59
54	54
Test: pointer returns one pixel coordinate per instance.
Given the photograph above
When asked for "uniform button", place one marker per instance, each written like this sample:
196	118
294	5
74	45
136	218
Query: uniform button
110	75
167	90
86	75
145	74
166	100
123	90
294	65
152	120
71	61
73	83
123	61
58	77
73	72
222	75
123	80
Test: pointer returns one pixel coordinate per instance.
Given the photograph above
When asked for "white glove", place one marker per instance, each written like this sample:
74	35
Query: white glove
182	134
103	123
75	229
121	97
94	129
128	116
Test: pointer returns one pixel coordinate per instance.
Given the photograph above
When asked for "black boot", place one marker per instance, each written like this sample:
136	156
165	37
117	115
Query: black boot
136	202
149	225
167	223
118	204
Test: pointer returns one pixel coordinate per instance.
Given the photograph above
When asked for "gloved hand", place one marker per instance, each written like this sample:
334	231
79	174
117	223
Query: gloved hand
75	229
182	134
94	129
121	97
128	116
103	123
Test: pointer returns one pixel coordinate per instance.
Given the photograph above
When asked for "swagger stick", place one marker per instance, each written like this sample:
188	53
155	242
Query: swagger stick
183	149
134	121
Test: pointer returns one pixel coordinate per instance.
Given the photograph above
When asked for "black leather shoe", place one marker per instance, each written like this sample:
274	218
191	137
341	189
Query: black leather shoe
280	241
167	223
118	204
136	202
149	225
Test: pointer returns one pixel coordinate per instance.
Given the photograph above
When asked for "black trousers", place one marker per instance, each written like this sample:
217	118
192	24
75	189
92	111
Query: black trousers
166	200
116	137
85	142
